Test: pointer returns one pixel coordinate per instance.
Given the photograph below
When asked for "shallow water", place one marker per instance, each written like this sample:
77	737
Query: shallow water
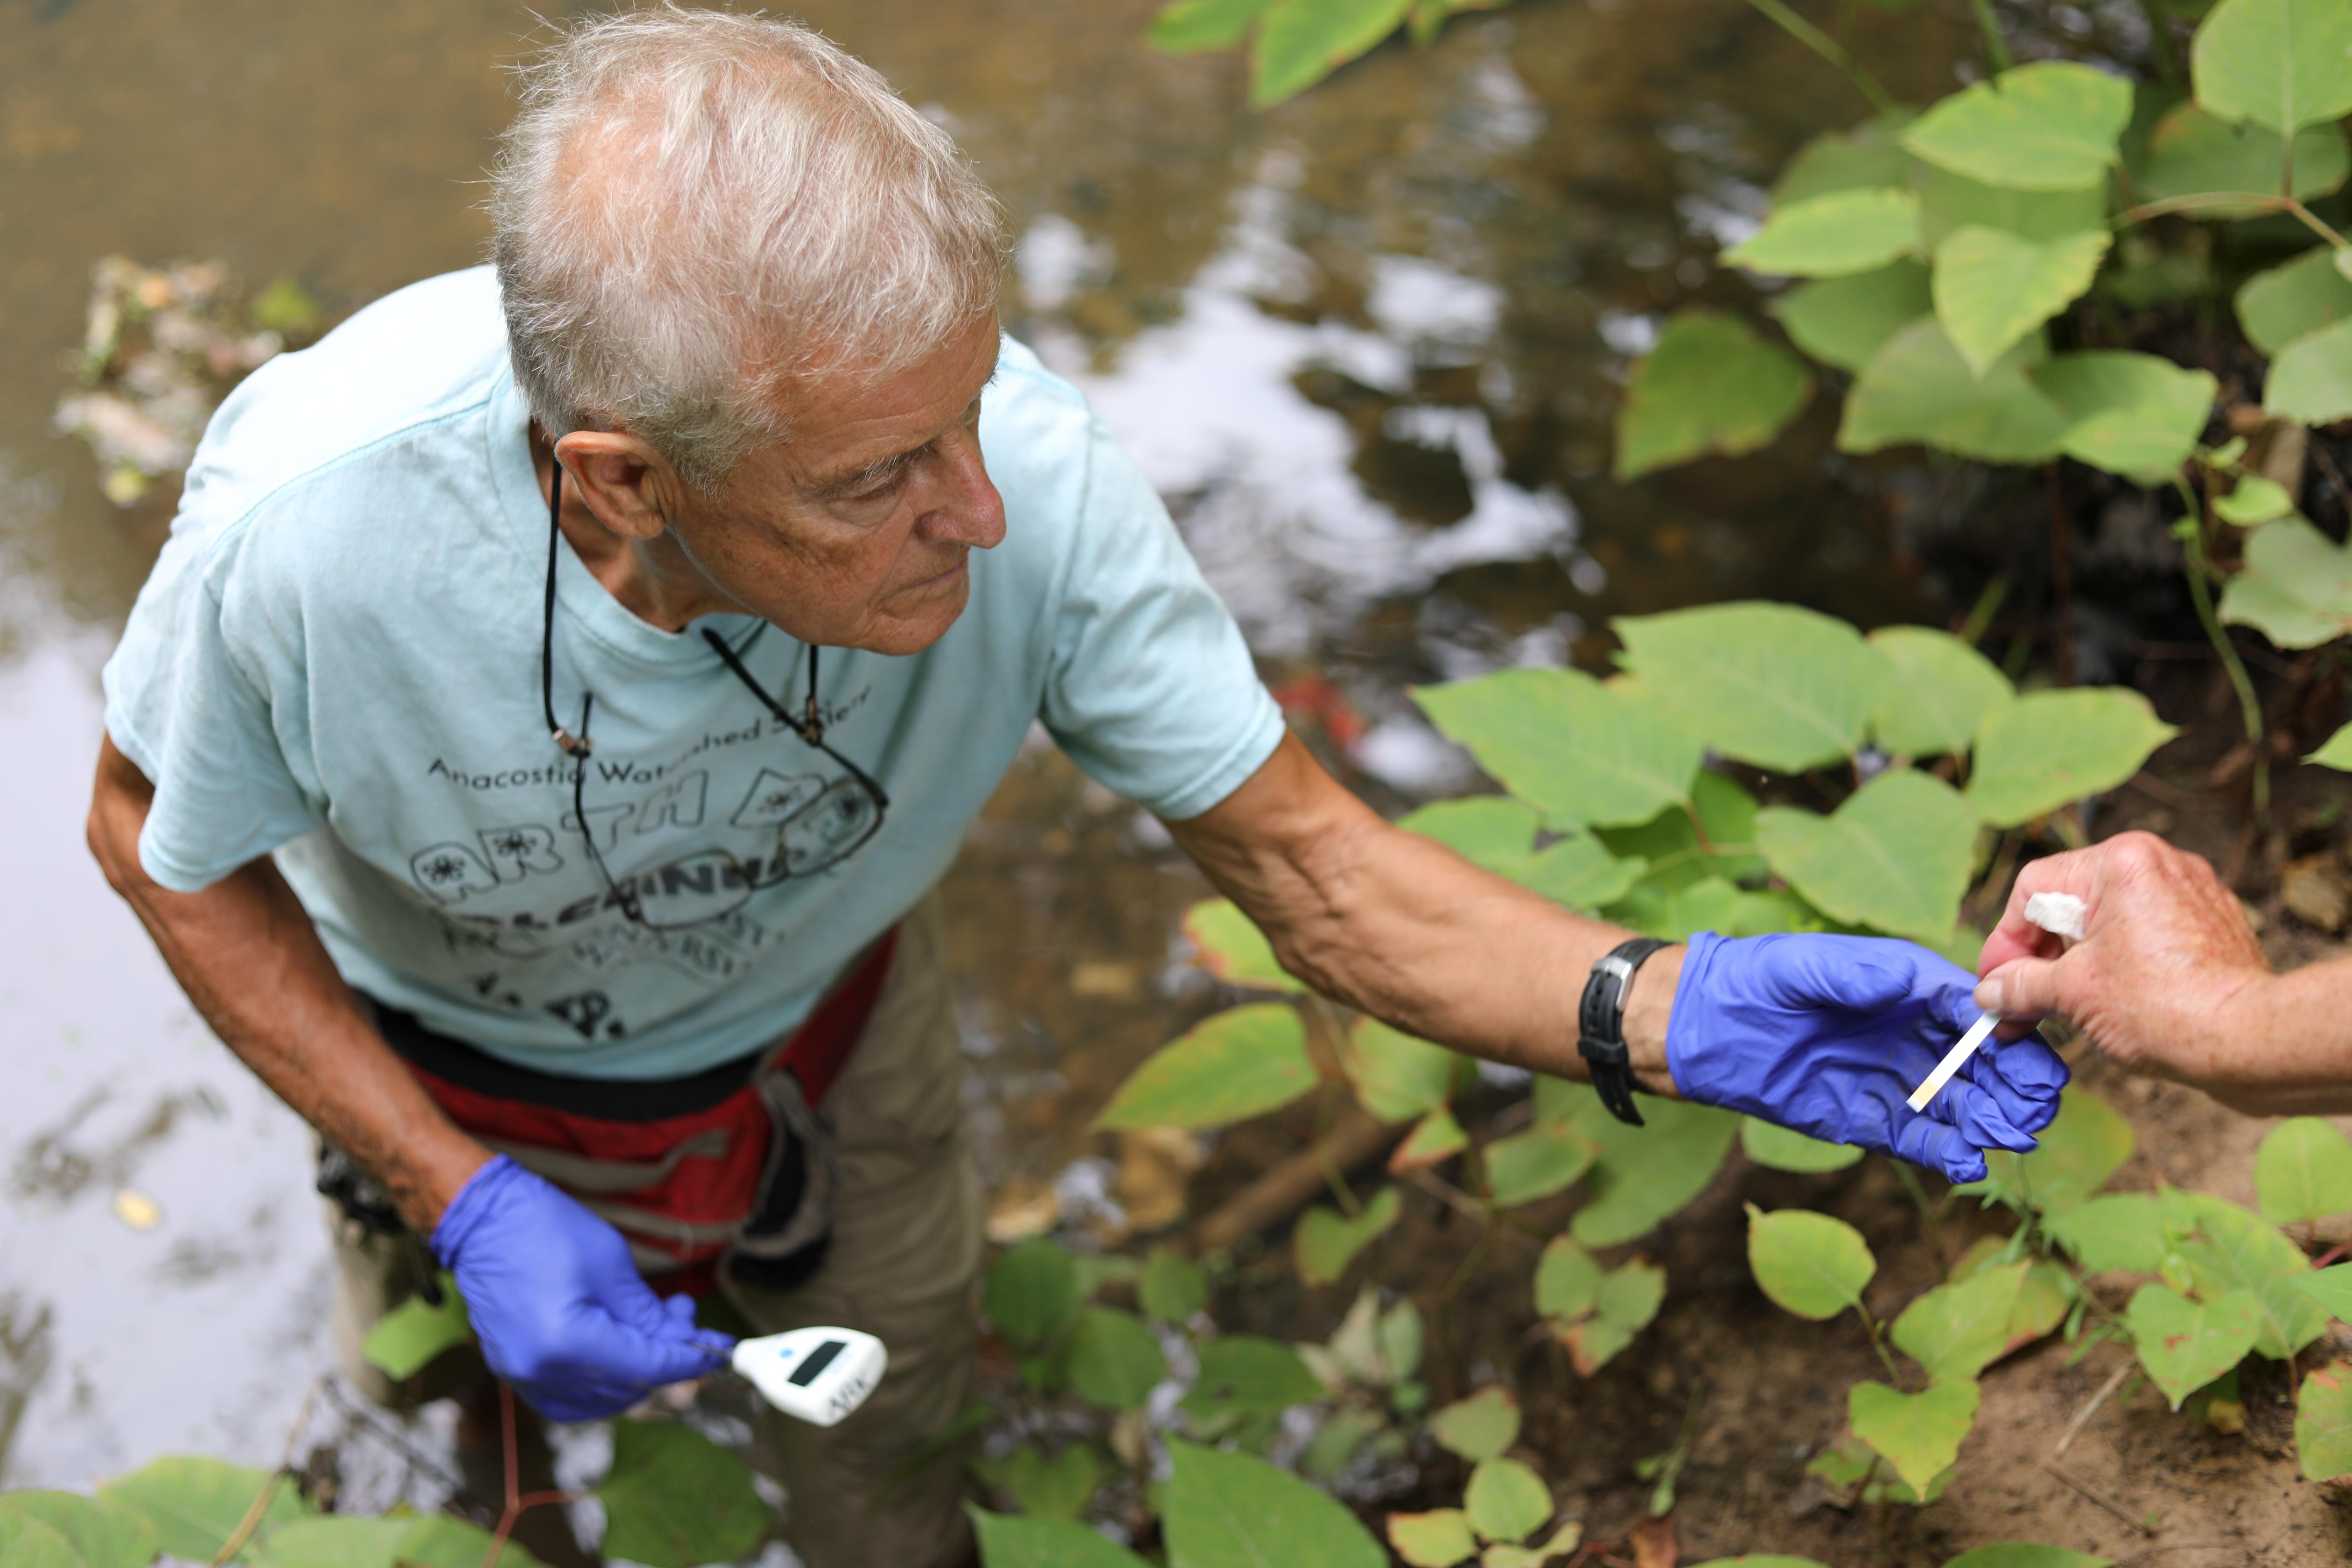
1368	344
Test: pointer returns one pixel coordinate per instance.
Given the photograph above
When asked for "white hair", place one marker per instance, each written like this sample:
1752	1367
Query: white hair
697	211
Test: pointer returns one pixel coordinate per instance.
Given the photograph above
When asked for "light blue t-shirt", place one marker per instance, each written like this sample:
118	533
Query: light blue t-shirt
338	658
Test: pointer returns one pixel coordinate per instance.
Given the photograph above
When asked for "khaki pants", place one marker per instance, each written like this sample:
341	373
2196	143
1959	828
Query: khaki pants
906	1250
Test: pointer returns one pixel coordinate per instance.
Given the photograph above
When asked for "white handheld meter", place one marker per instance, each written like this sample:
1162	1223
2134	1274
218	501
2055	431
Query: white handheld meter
817	1374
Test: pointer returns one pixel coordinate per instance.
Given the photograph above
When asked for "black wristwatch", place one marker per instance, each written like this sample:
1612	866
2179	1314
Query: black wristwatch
1601	1026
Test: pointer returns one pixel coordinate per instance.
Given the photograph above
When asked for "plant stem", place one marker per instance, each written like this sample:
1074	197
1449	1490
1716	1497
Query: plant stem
1878	1343
261	1504
1919	1196
1980	613
1830	49
2269	203
2159	43
2192	542
1997	53
2061	582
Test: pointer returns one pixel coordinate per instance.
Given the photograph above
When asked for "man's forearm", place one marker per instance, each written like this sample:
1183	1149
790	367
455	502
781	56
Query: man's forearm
250	959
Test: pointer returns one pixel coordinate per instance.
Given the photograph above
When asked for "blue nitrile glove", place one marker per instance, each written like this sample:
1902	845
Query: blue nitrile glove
556	1302
1829	1035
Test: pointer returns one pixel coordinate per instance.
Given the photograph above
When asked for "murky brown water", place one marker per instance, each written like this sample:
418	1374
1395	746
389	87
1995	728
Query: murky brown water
1369	343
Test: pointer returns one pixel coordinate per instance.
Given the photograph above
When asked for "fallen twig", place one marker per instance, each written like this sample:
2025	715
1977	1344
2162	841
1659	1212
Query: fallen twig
1355	1138
2091	1406
2088	1491
261	1504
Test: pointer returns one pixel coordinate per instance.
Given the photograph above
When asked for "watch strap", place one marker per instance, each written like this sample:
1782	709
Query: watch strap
1601	1026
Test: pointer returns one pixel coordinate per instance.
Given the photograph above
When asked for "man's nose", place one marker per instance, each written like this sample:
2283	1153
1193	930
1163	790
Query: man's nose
966	511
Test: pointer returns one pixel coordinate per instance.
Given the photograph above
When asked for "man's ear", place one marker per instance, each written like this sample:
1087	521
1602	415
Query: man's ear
630	487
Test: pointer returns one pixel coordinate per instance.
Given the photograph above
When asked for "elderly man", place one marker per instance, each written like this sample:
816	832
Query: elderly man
563	685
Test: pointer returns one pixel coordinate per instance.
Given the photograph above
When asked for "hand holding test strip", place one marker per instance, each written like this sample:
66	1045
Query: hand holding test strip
2060	915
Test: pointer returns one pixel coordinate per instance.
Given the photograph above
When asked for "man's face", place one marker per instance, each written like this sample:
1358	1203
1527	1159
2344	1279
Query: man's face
854	533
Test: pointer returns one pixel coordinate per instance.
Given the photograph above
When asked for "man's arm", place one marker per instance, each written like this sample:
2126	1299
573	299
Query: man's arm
250	959
2170	980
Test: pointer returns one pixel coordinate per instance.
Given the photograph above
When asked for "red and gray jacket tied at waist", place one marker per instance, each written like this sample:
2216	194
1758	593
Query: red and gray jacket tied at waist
730	1167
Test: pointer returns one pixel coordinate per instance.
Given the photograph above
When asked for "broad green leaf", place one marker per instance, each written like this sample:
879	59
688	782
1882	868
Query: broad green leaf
1560	1543
2296	588
2187	1345
1032	1293
1669	844
1505	1500
1492	831
1498	834
1781	1149
1436	1138
1535	1163
2088	1143
1235	1065
1918	1434
437	1540
1234	950
1626	1303
1949	201
1231	1510
2049	126
406	1339
2131	414
1326	1241
334	1541
1710	385
26	1542
2113	1231
2331	1288
2254	501
1055	1485
1783	688
1479	1427
1114	1361
2322	1423
1400	1335
2336	751
1172	1287
1942	691
1579	872
1810	1264
1243	1373
103	1534
1992	287
2304	1171
1096	1269
674	1499
2191	152
2049	747
1918	388
1568	1279
2236	1250
2025	1554
1842	321
1895	855
2311	379
1957	1331
1012	1540
2294	298
1763	1560
1576	751
2279	63
1303	41
196	1504
1396	1077
1834	235
1195	26
1864	158
1438	1539
1645	1174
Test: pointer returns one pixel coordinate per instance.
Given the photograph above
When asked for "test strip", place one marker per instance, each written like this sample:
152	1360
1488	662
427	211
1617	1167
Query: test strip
1954	1060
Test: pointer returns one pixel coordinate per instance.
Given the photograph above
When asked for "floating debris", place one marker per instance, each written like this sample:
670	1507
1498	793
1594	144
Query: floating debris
136	1209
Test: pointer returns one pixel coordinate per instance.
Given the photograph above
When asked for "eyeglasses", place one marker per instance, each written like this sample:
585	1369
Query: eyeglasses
818	822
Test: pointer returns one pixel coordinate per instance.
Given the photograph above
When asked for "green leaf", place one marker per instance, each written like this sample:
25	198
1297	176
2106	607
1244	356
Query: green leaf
1833	236
2279	63
1195	26
1779	1149
1032	1293
1303	41
1438	1539
1626	1303
1058	1486
2187	1345
440	1542
2049	126
2049	747
1243	1373
2236	1251
1710	385
1114	1361
26	1542
1957	1331
2294	298
1234	950
2191	152
1918	1434
674	1499
1326	1241
1810	1264
1645	1174
1949	201
1235	1065
2130	414
1172	1287
2311	379
2256	500
1918	388
2114	1231
1576	751
1861	159
2074	1155
1398	1336
2296	588
2025	1554
1436	1138
1535	1163
409	1336
1494	832
1396	1077
1942	691
1008	1540
2304	1171
2331	1288
1568	1280
102	1533
1580	872
2336	751
1670	845
337	1543
1763	1560
195	1505
1230	1510
2322	1423
1992	287
1783	688
1479	1427
1896	856
1505	1500
1842	321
